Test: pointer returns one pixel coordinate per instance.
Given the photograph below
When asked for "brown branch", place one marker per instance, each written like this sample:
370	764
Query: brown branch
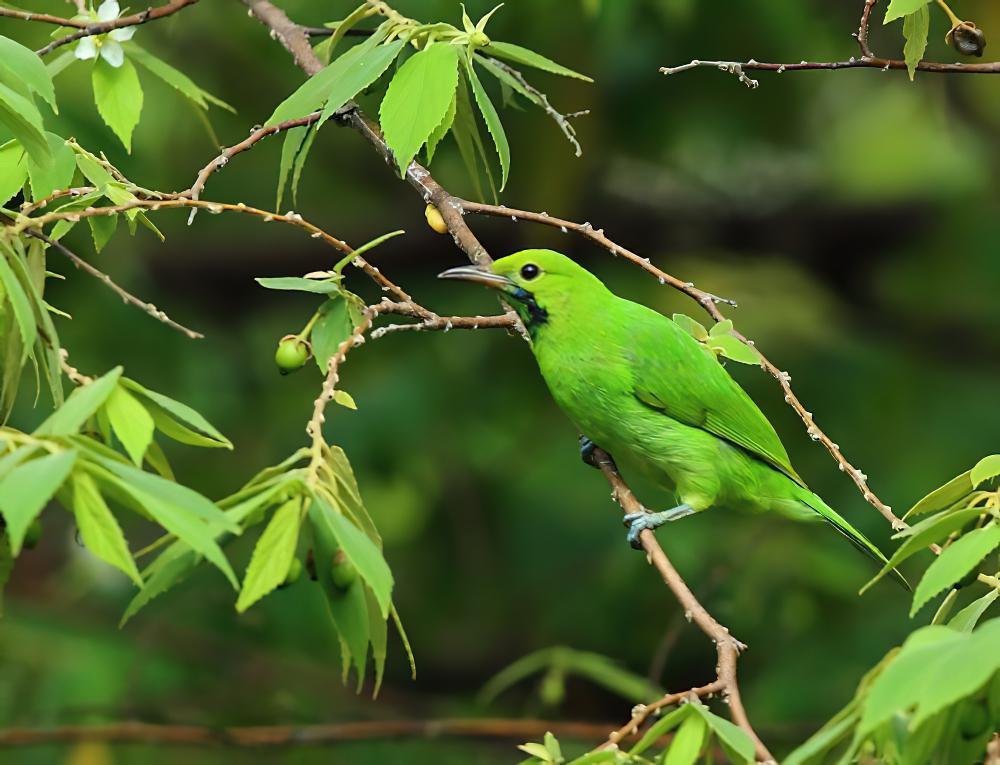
87	28
862	33
299	735
727	647
432	322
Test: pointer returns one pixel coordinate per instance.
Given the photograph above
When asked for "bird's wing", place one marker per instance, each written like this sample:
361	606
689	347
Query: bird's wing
675	374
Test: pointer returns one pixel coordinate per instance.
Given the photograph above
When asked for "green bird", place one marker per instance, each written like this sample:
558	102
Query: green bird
639	386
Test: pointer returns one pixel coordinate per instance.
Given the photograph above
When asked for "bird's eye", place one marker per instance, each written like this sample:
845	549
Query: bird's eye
530	271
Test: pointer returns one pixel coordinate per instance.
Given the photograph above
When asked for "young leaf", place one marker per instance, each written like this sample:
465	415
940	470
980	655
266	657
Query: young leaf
492	120
360	551
28	69
26	490
957	560
80	406
330	330
298	284
520	55
20	116
99	529
417	100
273	554
944	496
182	413
118	96
687	742
735	349
132	423
358	69
174	78
692	327
899	8
986	468
967	619
915	29
13	170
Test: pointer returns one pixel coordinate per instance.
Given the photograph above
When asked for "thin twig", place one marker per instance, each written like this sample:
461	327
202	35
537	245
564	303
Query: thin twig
862	33
432	322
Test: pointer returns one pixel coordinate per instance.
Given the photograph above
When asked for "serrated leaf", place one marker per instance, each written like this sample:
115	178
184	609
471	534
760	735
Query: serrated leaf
521	55
20	116
174	78
182	413
79	406
986	468
957	560
493	124
102	228
331	329
131	422
944	496
899	8
417	100
272	555
298	284
118	96
360	551
55	173
359	68
687	742
915	29
438	134
99	529
967	619
28	68
935	668
27	489
13	170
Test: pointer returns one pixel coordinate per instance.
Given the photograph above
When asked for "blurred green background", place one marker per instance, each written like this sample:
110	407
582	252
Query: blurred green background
853	216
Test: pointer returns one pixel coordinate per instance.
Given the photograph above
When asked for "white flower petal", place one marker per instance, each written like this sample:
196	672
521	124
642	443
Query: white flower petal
113	53
122	34
86	49
108	10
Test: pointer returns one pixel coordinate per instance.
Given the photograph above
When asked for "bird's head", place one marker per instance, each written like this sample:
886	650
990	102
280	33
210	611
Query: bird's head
537	283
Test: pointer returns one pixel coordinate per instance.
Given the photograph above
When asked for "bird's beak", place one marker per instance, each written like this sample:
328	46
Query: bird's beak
477	275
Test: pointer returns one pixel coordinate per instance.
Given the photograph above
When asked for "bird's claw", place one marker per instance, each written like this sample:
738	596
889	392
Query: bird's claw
587	448
642	520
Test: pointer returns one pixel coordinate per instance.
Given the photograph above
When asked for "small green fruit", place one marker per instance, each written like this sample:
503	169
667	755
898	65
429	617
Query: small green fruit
33	534
343	572
293	352
294	572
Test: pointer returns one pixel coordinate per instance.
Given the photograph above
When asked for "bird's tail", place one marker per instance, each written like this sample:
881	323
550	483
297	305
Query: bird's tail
856	538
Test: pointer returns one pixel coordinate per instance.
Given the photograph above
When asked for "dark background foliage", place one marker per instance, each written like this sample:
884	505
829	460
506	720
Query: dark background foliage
853	217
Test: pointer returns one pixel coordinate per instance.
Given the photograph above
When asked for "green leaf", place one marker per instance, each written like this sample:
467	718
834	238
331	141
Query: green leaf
28	68
360	551
182	511
325	49
315	91
55	173
536	750
935	668
16	297
99	528
102	228
967	619
492	120
358	69
687	742
899	8
298	284
520	55
272	555
172	565
132	423
13	170
945	496
27	489
290	149
986	468
920	537
665	724
174	78
182	413
331	329
118	96
735	349
80	406
438	134
417	100
470	143
20	115
957	560
915	28
692	327
734	740
378	636
827	737
299	163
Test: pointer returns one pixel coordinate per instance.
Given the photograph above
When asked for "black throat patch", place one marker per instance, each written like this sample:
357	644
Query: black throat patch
534	316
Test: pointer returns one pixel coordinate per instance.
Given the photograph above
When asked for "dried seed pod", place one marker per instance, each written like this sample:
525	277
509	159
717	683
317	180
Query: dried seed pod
967	39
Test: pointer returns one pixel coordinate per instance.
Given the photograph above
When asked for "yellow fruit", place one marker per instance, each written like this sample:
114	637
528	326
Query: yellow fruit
435	220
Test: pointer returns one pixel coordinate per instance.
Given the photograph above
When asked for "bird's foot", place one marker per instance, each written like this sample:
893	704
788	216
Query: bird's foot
587	448
639	522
